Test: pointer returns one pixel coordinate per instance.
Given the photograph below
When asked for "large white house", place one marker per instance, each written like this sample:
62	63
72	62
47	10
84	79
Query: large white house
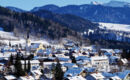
100	62
34	63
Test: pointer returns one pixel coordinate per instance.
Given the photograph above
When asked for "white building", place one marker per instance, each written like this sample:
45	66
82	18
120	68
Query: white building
34	63
10	77
95	76
100	62
26	78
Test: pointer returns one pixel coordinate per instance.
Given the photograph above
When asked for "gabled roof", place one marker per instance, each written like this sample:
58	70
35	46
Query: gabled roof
47	51
115	78
123	74
106	74
90	69
99	58
82	58
69	64
124	61
97	76
76	78
27	78
10	77
36	72
64	59
108	54
73	72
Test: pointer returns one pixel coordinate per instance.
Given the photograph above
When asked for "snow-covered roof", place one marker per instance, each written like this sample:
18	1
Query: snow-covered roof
82	58
64	59
117	50
115	78
73	71
114	57
10	77
89	47
99	58
108	54
26	78
123	74
76	78
90	69
124	61
36	72
44	42
69	44
106	74
97	76
69	64
108	50
50	63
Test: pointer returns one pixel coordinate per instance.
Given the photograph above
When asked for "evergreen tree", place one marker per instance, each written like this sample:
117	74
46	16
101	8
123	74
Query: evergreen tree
18	57
11	59
73	59
53	68
29	66
20	46
25	66
9	44
58	73
18	67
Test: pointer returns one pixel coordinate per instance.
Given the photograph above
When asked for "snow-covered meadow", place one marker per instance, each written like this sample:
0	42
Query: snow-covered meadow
116	27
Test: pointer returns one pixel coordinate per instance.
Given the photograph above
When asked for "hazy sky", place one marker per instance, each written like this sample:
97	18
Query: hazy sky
29	4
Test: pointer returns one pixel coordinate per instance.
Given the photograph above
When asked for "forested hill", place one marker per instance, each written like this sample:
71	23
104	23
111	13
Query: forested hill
19	23
73	22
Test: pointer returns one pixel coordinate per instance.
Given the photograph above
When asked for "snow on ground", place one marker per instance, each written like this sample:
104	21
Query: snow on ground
7	35
117	27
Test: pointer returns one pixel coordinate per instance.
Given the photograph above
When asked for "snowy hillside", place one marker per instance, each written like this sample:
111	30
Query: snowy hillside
117	27
7	35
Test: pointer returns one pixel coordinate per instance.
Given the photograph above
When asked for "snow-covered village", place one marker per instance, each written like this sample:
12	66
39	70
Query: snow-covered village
64	40
26	59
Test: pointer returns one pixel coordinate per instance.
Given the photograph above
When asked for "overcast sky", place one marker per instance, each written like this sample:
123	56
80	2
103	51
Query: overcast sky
29	4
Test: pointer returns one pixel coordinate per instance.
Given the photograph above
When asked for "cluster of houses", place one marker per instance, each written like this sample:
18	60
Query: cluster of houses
90	64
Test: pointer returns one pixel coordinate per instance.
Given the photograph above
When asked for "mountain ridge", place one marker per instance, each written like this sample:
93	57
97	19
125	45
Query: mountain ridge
97	13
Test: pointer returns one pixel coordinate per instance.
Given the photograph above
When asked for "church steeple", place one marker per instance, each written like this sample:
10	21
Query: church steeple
28	42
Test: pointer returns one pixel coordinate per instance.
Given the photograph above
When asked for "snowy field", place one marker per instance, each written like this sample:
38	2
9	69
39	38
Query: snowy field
7	35
117	27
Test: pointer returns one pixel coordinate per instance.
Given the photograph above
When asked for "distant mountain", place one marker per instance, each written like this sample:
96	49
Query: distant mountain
95	13
50	7
117	4
15	9
20	23
74	22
